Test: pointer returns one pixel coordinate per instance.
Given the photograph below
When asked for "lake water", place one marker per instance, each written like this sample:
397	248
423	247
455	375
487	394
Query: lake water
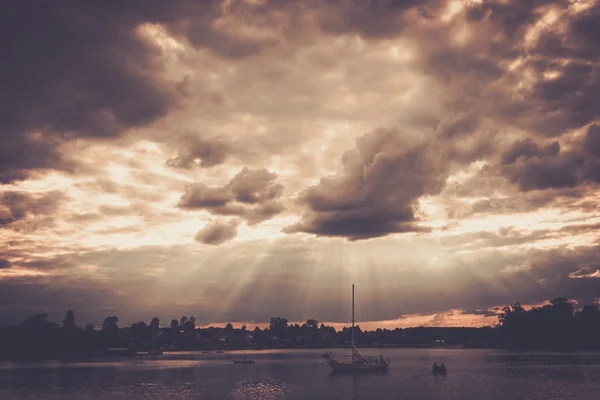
302	374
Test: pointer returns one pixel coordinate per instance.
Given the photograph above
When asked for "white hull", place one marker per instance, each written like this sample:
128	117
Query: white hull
356	366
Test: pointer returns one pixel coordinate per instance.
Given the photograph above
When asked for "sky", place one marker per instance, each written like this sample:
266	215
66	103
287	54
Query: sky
242	159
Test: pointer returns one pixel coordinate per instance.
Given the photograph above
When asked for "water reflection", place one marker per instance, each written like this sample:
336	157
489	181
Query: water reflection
477	374
262	388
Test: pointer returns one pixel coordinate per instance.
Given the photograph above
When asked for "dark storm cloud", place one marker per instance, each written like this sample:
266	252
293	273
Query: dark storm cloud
81	69
217	232
362	203
545	167
377	190
17	205
484	88
555	268
4	263
371	19
251	194
201	152
71	69
568	101
527	149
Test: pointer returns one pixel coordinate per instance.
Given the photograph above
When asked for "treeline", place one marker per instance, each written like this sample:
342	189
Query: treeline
555	326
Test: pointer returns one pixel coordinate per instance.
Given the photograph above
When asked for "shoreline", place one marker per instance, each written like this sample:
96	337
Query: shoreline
107	358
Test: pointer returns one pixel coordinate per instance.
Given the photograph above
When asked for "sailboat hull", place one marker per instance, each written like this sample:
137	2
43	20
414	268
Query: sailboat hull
356	366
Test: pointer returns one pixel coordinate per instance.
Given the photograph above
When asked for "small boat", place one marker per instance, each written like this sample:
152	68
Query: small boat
150	353
244	361
205	352
438	369
220	352
358	363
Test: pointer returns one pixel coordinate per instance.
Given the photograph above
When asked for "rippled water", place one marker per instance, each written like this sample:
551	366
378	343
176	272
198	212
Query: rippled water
302	374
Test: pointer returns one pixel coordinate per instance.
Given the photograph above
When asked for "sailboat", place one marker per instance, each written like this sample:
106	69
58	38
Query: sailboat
357	363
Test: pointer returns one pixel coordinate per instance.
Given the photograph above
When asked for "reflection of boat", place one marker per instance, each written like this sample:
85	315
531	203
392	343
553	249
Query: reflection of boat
438	369
358	363
244	361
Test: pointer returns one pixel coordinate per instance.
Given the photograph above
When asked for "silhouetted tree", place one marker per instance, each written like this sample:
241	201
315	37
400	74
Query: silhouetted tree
190	324
554	326
110	329
278	325
174	325
140	334
229	328
110	324
182	322
36	321
69	321
37	337
312	323
154	324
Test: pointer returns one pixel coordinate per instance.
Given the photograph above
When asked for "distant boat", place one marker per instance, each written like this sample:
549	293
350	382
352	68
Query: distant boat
438	369
358	362
244	361
150	353
220	351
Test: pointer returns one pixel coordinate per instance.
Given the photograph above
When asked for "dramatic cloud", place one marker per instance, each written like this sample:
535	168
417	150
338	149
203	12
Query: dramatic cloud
532	166
527	149
15	206
92	72
74	71
376	192
251	194
217	232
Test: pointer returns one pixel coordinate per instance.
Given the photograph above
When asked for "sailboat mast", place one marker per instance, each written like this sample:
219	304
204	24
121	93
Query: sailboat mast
352	321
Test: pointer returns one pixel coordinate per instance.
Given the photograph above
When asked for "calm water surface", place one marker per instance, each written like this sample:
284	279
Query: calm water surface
302	374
